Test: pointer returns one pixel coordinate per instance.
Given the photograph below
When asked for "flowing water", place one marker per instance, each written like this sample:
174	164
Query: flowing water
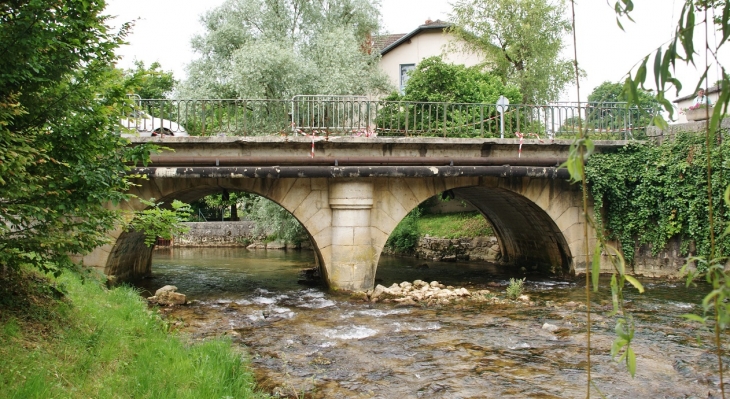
306	342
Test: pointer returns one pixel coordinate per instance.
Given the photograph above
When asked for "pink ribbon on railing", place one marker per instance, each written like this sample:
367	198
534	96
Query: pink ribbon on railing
314	132
522	139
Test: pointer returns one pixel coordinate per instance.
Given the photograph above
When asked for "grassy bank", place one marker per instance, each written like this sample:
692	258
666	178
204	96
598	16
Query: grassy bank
454	225
99	343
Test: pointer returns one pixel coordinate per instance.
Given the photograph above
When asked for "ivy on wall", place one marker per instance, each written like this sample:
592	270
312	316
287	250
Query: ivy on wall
647	194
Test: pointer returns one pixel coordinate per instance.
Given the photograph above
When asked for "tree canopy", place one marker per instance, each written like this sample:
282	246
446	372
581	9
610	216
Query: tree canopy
61	161
280	48
521	41
448	86
150	82
436	81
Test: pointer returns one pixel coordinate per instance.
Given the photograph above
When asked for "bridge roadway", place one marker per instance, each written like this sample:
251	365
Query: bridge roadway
350	193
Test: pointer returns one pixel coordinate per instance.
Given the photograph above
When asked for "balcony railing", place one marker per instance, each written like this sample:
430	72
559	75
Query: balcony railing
358	116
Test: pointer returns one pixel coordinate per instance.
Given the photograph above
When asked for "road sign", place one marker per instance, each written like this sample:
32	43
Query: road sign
502	104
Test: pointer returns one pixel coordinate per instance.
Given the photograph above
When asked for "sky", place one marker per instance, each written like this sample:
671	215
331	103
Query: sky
163	30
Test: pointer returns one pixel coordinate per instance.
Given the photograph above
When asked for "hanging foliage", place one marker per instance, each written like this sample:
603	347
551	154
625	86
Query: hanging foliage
648	194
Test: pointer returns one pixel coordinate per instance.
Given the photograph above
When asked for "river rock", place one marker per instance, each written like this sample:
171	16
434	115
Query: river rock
407	301
167	296
444	294
172	298
379	290
276	245
359	296
550	327
167	288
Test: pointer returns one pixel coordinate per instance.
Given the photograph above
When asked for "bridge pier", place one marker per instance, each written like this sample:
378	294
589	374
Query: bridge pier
354	259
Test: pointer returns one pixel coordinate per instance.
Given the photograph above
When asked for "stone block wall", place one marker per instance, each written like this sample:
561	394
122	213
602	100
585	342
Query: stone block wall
216	234
458	249
667	263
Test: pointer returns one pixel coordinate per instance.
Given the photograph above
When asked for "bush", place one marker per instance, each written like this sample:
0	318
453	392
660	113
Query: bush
515	288
404	238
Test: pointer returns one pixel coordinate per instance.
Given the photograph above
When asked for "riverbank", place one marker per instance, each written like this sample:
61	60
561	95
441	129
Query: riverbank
65	338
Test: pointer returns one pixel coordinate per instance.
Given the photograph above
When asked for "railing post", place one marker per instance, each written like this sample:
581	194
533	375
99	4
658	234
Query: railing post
444	109
202	130
408	113
481	119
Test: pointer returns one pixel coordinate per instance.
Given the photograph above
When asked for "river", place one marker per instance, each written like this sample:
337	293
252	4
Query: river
306	342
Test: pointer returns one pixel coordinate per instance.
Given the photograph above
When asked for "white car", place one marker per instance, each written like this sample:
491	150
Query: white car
145	125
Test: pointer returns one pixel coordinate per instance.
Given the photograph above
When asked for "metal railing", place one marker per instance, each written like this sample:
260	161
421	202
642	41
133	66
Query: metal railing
358	116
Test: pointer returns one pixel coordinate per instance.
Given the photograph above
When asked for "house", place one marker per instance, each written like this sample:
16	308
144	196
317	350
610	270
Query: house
400	53
683	103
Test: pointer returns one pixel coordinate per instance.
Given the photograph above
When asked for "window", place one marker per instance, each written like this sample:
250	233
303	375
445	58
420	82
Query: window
404	69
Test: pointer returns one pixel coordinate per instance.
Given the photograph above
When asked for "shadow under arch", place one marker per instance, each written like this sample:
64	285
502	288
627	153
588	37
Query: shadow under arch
527	235
129	248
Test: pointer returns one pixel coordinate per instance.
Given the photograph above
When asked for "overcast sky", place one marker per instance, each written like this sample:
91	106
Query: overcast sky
164	28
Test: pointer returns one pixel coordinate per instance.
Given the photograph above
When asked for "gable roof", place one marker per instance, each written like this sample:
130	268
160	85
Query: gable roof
429	25
383	41
710	90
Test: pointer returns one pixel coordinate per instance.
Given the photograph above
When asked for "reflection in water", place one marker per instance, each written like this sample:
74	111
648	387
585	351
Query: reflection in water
305	341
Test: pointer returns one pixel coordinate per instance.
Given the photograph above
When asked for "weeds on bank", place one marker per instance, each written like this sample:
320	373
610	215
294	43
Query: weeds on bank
103	343
515	288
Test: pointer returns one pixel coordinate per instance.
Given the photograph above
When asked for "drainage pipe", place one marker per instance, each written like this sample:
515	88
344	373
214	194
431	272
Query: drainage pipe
162	160
279	172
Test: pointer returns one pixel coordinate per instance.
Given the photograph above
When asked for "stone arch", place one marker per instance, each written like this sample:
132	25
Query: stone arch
128	258
538	221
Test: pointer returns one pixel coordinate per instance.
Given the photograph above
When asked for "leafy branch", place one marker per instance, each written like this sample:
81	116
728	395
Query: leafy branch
156	221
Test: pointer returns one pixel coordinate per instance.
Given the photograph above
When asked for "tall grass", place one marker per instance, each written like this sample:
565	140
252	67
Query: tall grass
100	343
455	225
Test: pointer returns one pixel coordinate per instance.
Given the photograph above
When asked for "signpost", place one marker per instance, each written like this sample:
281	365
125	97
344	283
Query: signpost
502	105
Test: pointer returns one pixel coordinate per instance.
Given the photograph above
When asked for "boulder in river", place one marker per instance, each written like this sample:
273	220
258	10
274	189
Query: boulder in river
167	296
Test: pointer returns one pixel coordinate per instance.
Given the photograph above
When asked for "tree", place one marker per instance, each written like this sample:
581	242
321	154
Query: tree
521	41
61	161
435	81
150	82
276	222
608	114
280	48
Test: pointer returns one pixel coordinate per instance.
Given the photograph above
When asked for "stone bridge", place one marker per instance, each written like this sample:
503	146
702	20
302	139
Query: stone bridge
350	193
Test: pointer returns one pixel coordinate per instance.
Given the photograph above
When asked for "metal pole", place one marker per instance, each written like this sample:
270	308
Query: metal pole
501	124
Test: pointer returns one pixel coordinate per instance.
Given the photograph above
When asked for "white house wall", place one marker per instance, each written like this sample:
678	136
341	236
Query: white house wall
686	103
423	45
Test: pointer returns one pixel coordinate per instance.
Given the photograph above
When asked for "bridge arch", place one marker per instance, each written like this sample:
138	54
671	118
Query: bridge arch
538	222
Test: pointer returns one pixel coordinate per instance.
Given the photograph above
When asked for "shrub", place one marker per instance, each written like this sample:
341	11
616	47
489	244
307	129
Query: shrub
406	235
515	288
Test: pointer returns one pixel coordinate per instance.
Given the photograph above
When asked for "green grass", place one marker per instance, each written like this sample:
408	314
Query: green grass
455	225
99	343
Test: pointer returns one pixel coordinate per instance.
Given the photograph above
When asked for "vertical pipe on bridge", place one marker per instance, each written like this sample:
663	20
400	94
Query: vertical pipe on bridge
352	266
